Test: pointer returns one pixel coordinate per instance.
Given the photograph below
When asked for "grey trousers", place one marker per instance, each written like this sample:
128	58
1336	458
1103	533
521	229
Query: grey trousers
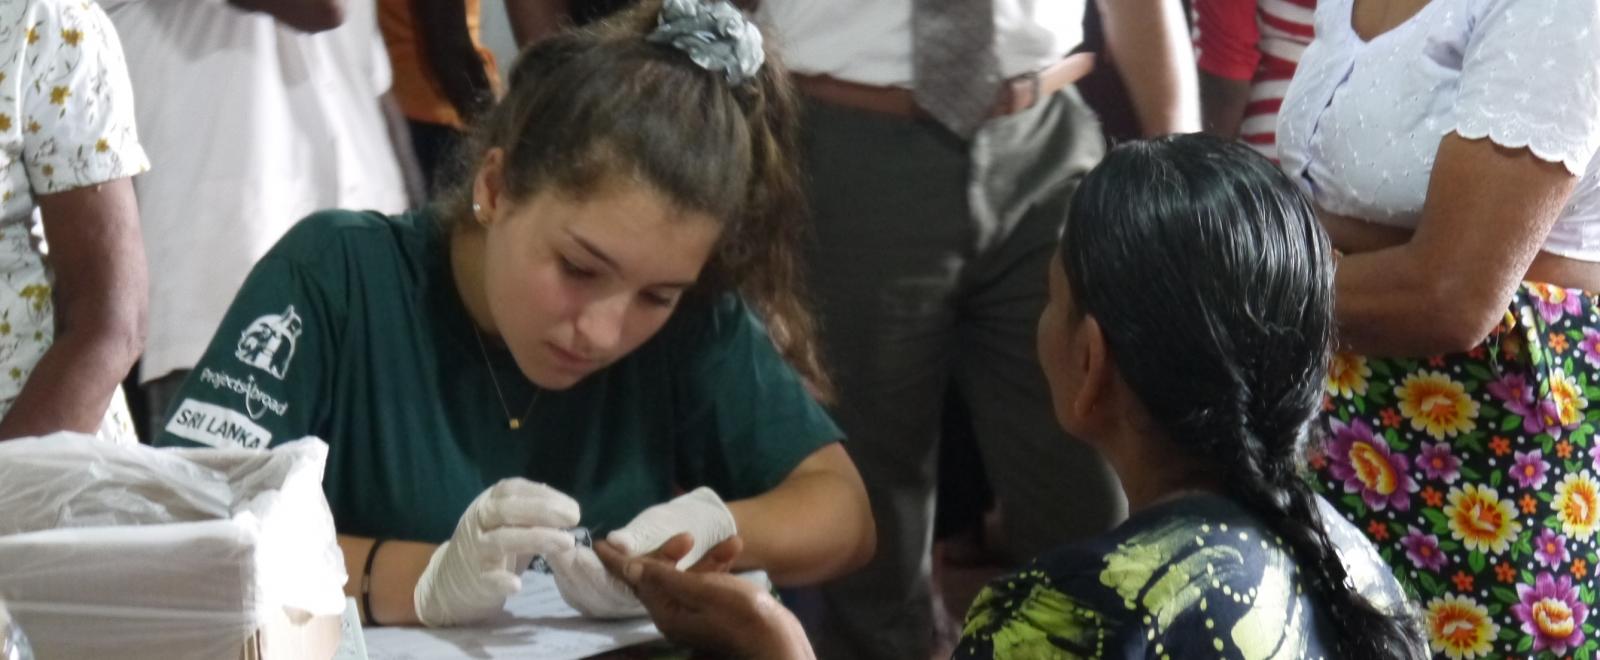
928	269
158	396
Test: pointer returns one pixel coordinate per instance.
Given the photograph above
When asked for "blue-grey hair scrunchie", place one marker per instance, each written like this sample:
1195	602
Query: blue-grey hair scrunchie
716	35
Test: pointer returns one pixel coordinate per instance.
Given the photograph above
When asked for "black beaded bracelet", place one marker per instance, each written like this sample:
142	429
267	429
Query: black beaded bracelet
366	584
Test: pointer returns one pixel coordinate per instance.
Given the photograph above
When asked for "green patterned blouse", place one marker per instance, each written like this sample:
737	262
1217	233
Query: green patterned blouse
1195	577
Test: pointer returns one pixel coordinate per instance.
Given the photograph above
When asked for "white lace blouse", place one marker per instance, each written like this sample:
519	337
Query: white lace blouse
1362	120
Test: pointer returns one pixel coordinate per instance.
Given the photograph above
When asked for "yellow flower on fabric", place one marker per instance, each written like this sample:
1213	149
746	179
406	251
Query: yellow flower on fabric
1480	520
1569	398
1436	404
59	94
1347	375
5	122
102	146
1577	504
33	35
48	169
72	37
34	127
1460	627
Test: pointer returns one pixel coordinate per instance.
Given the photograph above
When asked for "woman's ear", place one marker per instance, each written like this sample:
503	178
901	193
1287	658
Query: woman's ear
488	187
1092	357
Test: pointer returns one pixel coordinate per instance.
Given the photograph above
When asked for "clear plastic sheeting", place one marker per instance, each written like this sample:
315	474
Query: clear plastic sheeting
75	480
133	552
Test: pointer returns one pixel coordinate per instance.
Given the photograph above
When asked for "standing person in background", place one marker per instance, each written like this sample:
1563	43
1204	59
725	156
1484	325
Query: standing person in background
72	316
943	141
1450	146
444	77
259	114
1247	52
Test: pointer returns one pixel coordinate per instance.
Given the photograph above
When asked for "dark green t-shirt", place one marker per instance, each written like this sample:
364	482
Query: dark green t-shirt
350	329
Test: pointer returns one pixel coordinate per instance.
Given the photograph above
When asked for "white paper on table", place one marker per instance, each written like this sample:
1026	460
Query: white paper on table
536	624
352	646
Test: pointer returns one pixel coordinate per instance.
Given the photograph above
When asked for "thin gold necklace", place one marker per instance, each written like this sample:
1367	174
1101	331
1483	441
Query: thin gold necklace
512	423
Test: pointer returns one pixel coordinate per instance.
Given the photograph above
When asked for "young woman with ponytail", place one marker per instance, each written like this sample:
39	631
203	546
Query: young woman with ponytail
602	327
1186	338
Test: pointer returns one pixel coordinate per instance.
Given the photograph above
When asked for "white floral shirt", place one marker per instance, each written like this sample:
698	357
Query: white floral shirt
66	121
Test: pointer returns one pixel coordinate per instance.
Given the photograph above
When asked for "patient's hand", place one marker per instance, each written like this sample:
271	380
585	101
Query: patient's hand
706	608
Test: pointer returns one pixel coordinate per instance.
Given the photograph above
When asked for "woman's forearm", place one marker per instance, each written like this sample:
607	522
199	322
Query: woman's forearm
72	384
395	571
814	526
1388	303
1488	211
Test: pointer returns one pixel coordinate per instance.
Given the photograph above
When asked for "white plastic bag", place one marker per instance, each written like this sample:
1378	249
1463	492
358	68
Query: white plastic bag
162	553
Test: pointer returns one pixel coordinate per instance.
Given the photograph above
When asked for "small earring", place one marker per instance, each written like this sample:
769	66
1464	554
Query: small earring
477	213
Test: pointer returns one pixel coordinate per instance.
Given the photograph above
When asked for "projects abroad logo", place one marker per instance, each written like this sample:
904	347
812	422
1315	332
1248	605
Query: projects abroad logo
268	343
256	402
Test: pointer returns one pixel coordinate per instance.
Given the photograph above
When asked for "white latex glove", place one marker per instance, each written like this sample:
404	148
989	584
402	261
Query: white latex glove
698	513
469	577
587	586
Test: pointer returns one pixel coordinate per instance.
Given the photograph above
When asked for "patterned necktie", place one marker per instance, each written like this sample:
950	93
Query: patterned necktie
956	74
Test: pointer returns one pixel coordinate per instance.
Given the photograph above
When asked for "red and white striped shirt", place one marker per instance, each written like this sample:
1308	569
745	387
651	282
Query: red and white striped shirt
1259	41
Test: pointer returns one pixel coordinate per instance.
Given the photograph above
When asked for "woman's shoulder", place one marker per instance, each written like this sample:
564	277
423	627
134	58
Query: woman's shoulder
1153	577
1193	575
336	237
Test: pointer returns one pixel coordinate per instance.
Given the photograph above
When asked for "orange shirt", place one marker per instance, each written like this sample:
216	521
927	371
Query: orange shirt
419	95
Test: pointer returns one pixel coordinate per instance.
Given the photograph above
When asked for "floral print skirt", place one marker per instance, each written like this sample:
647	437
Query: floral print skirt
1476	475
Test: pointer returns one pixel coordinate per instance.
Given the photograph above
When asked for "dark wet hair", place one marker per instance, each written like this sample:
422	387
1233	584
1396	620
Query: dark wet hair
588	108
1212	280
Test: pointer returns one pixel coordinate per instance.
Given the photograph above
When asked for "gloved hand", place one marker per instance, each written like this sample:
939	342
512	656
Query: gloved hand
589	588
469	577
698	513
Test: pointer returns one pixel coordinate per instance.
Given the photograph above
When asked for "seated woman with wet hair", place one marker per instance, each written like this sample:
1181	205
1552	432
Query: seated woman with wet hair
1189	325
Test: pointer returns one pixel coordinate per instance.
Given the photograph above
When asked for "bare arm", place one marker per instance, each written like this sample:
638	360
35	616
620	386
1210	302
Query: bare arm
535	20
1487	213
302	15
447	48
1222	103
395	572
814	526
100	297
1149	40
1227	52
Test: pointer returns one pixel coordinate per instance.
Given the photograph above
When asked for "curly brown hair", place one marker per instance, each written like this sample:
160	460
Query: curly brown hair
588	106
